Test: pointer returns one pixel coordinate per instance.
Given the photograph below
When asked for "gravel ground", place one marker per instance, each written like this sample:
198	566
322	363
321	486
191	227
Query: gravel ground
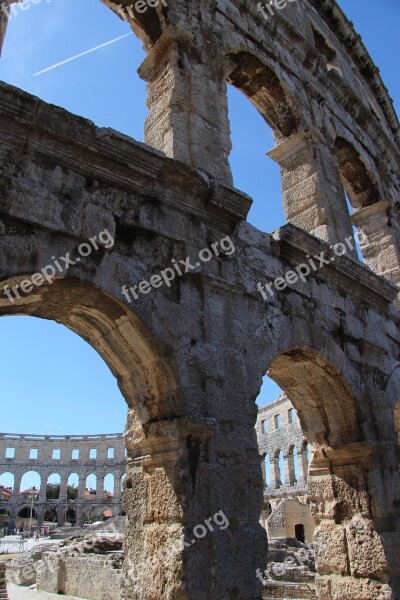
16	592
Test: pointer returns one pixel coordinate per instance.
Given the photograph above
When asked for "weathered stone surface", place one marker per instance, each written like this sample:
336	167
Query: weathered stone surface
190	356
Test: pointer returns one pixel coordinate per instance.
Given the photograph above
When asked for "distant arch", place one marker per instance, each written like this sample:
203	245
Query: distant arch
358	181
267	92
30	480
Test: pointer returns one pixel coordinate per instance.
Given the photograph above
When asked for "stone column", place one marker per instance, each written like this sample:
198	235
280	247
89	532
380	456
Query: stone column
303	464
175	485
63	488
379	245
352	496
17	483
187	102
313	197
81	487
43	487
290	477
275	473
117	487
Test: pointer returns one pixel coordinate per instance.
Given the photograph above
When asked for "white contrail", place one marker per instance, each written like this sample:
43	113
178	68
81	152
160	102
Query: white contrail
63	62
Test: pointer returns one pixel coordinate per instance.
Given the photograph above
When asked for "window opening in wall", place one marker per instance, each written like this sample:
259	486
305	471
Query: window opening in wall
264	427
75	454
110	453
277	421
10	452
92	453
33	453
291	416
56	454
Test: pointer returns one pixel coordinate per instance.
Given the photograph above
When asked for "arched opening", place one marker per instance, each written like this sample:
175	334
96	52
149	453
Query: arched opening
358	182
53	487
360	187
322	398
26	518
30	481
6	486
70	516
72	486
50	515
253	132
109	480
91	487
266	92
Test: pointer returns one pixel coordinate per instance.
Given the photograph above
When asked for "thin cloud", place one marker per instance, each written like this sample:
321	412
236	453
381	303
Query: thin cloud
67	60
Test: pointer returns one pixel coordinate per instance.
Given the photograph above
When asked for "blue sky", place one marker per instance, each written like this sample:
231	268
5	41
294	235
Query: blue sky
52	381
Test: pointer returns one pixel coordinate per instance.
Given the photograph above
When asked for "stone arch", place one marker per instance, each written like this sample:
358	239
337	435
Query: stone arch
91	486
322	398
7	478
133	355
73	481
358	181
321	383
265	90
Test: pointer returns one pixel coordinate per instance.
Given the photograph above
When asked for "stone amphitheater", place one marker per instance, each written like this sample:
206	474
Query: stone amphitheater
82	456
189	358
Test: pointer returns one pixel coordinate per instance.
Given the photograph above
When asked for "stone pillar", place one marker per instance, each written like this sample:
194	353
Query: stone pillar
187	102
303	464
81	487
63	489
313	197
3	583
117	487
17	484
43	488
357	548
275	472
379	245
175	485
290	477
263	470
